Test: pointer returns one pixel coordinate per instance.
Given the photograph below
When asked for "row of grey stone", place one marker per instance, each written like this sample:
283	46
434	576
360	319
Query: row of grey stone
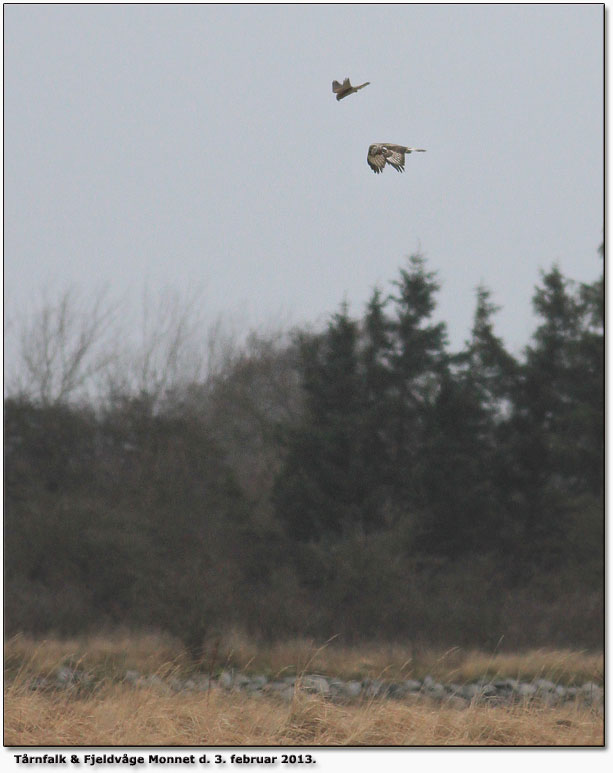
496	691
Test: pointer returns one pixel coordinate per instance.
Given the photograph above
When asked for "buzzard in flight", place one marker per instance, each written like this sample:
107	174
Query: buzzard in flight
345	89
382	153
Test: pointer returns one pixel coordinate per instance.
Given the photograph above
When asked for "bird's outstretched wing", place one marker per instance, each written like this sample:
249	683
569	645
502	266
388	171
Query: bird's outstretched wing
403	148
376	158
394	156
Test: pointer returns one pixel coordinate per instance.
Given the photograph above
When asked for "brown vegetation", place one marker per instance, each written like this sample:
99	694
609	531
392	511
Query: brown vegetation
111	655
114	713
120	715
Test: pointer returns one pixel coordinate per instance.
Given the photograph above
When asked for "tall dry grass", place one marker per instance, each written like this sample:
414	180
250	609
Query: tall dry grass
120	716
111	712
111	655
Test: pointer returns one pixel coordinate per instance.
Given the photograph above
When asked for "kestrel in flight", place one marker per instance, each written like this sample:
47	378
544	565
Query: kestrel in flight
344	89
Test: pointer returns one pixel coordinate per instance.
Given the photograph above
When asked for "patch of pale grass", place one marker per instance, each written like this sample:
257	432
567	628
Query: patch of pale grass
101	655
122	716
559	666
394	661
113	654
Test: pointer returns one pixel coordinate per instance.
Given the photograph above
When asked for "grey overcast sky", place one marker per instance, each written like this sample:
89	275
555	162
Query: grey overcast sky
201	145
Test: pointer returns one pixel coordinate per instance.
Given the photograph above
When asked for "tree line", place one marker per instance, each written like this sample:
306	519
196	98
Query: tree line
359	479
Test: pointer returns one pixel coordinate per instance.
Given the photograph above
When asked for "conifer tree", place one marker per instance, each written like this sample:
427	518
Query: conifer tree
376	419
461	445
542	450
319	492
587	419
418	362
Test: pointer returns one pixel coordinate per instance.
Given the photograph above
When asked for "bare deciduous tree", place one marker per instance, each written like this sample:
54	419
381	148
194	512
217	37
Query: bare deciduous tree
164	349
65	346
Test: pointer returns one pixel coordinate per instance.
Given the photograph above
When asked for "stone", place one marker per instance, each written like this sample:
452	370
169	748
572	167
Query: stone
202	683
176	684
398	691
40	683
225	680
469	691
281	690
505	687
434	690
592	692
287	695
240	680
374	688
544	685
65	676
277	686
352	689
488	690
337	688
526	690
315	684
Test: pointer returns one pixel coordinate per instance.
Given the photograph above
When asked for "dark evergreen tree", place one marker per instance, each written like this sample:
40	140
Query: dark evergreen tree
319	492
462	447
492	369
545	457
418	363
376	420
586	426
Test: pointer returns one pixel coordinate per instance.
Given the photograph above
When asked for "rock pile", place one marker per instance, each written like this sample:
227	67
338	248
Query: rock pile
495	692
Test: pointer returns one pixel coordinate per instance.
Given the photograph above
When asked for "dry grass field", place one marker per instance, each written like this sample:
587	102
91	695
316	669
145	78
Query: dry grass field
111	655
120	716
117	714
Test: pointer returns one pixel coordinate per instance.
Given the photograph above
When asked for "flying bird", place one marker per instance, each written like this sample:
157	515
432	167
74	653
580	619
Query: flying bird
386	152
344	89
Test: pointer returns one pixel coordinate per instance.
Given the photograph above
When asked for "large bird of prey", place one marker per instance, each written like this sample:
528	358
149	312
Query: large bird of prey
345	88
386	152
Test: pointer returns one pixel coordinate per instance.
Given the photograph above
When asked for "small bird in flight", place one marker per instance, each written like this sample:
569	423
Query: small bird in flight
382	153
344	89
